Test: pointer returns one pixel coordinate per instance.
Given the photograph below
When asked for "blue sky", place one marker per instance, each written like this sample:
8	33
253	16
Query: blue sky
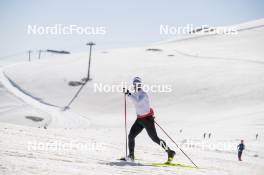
128	23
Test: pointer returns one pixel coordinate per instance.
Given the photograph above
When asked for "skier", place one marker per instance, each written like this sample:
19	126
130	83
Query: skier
145	119
240	148
209	135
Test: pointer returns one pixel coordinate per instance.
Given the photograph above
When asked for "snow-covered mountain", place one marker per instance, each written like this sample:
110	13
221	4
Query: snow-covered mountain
217	84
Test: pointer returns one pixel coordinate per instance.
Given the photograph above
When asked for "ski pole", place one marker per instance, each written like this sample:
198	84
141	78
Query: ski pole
125	121
176	145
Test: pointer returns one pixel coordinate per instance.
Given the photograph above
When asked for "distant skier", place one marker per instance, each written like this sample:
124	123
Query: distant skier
204	135
209	135
145	119
257	136
45	126
240	149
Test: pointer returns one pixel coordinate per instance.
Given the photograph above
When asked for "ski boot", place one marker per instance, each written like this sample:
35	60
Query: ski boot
129	158
171	155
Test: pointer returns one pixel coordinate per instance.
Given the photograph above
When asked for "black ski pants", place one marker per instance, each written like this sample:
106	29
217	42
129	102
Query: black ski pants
138	126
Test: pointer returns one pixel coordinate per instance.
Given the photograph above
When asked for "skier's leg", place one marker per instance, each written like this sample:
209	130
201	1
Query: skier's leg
239	155
134	131
151	130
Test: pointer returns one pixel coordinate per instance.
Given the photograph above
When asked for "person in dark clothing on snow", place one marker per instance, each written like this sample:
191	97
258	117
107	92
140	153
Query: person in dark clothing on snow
209	135
145	119
240	149
204	135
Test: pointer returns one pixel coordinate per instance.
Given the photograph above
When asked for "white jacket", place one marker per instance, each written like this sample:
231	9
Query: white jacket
141	102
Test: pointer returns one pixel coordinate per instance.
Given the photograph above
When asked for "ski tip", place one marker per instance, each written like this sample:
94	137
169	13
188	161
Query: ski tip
122	158
127	159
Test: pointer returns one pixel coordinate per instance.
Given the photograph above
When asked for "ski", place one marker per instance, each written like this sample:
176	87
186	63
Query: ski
170	164
126	159
122	158
165	164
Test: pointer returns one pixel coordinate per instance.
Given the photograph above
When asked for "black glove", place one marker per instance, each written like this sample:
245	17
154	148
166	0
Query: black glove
126	92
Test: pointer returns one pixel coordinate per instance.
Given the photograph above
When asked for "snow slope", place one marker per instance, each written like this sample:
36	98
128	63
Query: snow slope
14	110
217	86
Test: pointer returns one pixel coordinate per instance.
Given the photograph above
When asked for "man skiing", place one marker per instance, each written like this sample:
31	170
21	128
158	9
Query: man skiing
145	119
240	148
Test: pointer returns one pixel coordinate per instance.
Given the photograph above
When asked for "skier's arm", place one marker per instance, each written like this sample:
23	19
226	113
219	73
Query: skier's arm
133	97
137	99
129	94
